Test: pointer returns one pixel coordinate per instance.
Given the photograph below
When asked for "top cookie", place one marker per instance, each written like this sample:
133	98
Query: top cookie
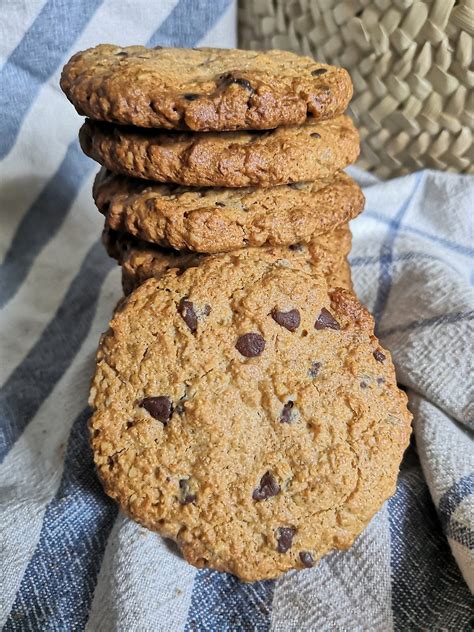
203	89
249	414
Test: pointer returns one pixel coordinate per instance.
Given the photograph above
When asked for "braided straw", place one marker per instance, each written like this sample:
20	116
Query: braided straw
411	64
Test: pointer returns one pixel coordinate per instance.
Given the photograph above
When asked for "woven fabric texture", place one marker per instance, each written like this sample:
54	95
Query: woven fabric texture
411	64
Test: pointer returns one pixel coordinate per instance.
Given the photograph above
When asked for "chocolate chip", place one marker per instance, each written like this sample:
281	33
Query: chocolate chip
296	247
250	345
289	320
121	53
314	370
159	407
221	204
157	47
285	416
186	496
188	313
315	135
326	320
191	96
229	78
379	356
363	384
319	71
285	538
306	559
268	487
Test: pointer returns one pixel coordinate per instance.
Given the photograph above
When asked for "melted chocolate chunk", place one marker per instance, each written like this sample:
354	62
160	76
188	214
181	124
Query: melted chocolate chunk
188	313
186	496
326	320
268	487
186	310
319	71
314	370
378	355
289	320
250	345
315	135
159	407
285	416
306	559
285	538
191	96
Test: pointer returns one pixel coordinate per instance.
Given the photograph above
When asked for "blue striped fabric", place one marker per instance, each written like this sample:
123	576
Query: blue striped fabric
57	549
423	567
37	56
53	595
386	255
34	379
221	602
42	220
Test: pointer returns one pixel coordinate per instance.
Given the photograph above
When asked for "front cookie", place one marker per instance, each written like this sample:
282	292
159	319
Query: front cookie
248	414
203	89
232	159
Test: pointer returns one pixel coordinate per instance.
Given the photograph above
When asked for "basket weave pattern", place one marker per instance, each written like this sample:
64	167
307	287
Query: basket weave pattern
411	64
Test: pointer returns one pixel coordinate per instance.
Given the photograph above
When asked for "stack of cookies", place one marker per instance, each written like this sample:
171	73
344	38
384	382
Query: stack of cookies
258	165
241	403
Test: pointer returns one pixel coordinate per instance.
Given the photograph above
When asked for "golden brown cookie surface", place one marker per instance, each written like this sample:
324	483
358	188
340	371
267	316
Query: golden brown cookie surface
317	149
218	220
247	413
325	255
203	89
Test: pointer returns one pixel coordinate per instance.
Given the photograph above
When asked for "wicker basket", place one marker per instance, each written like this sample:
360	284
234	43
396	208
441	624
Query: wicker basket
411	64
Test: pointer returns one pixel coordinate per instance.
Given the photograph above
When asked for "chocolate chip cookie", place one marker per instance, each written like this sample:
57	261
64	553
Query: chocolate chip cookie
245	411
218	220
231	159
325	254
203	89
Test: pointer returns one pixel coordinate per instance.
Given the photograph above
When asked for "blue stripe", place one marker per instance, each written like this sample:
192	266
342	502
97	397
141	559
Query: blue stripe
448	504
445	319
43	220
386	254
428	591
36	58
189	22
58	585
222	602
447	243
34	379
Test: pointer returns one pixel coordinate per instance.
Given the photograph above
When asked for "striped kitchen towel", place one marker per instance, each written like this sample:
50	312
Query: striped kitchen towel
69	561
